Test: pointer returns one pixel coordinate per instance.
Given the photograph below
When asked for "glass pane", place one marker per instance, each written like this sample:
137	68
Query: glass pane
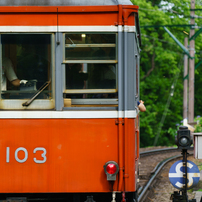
90	53
90	38
90	76
90	47
25	57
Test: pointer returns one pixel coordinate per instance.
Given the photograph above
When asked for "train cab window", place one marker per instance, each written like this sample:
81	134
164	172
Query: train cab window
26	71
90	70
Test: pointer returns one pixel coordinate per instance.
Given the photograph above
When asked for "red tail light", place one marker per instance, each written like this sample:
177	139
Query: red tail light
111	169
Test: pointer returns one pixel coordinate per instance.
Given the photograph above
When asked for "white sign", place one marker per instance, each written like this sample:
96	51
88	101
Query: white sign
176	175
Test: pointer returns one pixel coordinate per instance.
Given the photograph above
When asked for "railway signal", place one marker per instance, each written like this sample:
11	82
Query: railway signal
183	140
183	174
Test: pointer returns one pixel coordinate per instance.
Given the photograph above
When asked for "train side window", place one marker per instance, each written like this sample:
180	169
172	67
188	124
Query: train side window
90	70
26	71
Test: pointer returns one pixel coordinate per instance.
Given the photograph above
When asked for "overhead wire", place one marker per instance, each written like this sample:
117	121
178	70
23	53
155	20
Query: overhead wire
172	11
179	53
157	39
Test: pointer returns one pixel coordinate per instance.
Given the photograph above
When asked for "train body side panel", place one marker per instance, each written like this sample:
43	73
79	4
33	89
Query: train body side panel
71	16
130	155
56	155
51	20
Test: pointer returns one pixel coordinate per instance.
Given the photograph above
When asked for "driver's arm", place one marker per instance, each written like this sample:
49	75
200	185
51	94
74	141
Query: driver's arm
15	82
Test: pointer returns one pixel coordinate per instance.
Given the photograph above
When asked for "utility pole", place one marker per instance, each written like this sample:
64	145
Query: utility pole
185	105
191	66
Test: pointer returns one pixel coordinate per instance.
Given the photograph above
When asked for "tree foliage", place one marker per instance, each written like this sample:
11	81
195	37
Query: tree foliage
161	73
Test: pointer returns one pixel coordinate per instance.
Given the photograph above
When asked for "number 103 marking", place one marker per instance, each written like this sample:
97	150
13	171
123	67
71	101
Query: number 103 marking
43	155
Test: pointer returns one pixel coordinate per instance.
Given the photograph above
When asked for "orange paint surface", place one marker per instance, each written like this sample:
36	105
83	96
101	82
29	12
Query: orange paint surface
72	15
76	153
131	153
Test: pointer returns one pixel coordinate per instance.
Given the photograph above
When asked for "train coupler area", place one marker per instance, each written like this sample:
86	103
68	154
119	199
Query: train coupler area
89	199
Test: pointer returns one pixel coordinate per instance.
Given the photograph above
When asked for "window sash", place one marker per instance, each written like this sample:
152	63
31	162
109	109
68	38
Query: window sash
89	91
91	101
94	101
90	45
90	61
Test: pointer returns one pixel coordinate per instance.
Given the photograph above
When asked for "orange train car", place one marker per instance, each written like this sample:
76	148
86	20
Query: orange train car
69	126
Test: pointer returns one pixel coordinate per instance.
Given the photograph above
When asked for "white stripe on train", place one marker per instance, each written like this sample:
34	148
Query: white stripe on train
67	114
36	29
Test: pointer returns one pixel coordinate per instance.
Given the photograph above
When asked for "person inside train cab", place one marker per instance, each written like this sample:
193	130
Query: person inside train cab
9	73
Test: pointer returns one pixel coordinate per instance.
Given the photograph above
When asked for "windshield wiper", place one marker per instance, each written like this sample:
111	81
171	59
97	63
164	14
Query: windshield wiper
26	104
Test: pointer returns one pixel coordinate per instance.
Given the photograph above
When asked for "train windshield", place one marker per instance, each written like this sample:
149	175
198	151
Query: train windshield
90	68
26	68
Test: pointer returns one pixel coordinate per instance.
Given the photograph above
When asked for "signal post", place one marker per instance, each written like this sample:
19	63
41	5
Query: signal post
191	67
183	174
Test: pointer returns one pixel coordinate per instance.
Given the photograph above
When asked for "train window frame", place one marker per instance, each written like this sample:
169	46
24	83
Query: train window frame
91	102
37	104
138	32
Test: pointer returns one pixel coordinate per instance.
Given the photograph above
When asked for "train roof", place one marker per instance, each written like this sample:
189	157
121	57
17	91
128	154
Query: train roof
63	2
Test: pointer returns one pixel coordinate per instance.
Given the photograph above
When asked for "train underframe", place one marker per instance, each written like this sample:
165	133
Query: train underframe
70	197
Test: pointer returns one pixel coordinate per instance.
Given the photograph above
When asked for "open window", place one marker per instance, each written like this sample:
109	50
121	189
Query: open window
90	70
26	69
138	34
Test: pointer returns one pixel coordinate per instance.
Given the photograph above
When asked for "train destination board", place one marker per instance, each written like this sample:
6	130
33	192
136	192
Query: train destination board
176	174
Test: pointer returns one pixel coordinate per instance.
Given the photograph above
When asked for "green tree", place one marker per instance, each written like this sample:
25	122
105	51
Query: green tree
161	82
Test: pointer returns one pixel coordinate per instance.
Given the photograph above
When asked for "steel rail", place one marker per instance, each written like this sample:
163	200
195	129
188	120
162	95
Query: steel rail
156	171
150	152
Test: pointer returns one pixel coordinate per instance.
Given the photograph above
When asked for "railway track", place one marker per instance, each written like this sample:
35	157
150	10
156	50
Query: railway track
151	164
